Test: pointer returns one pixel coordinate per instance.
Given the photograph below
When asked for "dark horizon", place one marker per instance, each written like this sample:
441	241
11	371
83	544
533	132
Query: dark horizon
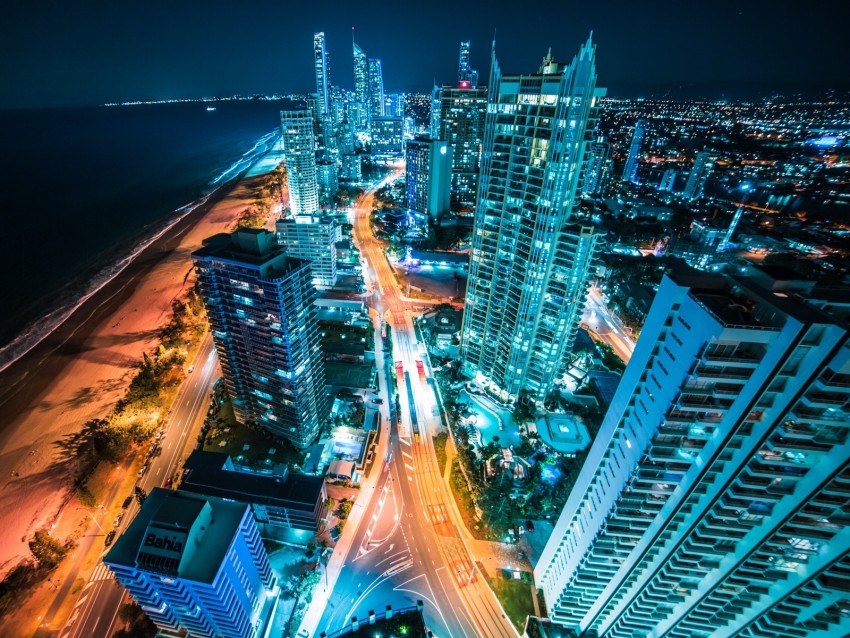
66	56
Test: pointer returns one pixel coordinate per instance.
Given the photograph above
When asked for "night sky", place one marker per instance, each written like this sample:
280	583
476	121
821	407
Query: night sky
56	54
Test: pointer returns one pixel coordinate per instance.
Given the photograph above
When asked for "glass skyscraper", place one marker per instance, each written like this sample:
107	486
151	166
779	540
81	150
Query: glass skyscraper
429	170
196	564
703	163
260	307
715	500
529	266
299	150
321	64
376	89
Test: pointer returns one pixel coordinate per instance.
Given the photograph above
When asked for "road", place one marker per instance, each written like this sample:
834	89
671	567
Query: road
604	325
96	609
410	545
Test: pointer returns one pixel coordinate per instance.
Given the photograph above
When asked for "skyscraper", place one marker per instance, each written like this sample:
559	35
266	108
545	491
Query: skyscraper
714	499
361	74
260	307
299	150
465	73
633	160
196	564
461	112
698	176
429	172
321	73
376	89
598	170
529	268
387	138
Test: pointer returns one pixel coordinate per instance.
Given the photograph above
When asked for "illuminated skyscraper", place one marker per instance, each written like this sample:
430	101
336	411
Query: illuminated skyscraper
311	238
713	501
387	138
529	267
299	150
465	73
633	160
361	75
698	176
668	179
598	170
429	173
376	89
321	74
260	307
461	112
196	565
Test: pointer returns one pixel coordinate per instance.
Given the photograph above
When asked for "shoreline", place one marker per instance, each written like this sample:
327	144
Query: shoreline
83	366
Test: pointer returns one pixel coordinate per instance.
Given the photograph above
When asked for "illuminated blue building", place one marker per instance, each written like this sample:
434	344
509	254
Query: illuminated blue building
260	306
633	160
698	176
196	564
429	176
530	267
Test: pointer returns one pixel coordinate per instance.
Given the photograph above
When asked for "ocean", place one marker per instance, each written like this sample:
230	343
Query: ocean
82	190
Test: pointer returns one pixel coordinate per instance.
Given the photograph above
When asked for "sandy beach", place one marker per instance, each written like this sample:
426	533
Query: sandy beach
80	370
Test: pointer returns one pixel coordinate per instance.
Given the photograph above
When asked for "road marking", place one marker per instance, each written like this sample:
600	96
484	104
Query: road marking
410	467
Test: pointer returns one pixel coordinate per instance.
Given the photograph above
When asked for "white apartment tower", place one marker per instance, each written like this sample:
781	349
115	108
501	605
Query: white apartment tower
529	266
715	501
299	148
314	239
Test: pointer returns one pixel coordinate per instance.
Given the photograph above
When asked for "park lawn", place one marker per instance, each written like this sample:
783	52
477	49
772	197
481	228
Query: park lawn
463	498
260	443
348	375
515	597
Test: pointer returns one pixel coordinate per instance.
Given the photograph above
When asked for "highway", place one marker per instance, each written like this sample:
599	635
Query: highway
605	326
96	610
409	545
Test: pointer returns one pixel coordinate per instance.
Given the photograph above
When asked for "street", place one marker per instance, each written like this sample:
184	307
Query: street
410	545
604	325
96	609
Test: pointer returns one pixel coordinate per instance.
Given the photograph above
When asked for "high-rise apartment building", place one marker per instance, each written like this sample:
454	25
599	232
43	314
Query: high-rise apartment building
311	238
260	307
698	176
462	112
387	138
668	180
598	171
376	89
196	564
299	150
327	179
714	501
529	267
633	160
429	173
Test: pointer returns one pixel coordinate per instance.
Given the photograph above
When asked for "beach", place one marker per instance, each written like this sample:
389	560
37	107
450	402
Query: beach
83	367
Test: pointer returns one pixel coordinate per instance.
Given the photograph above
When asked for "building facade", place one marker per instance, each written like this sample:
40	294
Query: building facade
668	180
633	160
598	171
376	89
327	179
429	173
529	267
311	238
714	500
321	68
387	138
196	565
260	307
461	114
299	150
465	73
698	176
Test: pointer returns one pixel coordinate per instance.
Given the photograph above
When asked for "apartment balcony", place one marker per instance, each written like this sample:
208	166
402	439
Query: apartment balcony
720	374
739	359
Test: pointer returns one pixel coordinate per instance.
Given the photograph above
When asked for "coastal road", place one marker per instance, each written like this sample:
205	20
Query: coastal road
410	545
599	320
96	610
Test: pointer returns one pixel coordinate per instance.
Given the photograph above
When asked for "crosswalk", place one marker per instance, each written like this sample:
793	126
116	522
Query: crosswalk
101	572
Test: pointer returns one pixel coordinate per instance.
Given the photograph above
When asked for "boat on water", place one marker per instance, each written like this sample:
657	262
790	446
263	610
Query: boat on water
211	108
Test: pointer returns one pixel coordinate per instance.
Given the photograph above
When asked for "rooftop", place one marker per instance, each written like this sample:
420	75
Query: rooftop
215	474
169	529
251	248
